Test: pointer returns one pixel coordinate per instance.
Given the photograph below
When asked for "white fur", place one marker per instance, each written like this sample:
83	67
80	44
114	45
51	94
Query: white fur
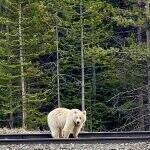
62	122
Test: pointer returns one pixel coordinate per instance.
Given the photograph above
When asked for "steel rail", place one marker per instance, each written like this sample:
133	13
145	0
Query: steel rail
71	140
81	135
84	138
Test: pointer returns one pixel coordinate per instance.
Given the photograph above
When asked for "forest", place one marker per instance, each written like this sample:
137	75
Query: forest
85	54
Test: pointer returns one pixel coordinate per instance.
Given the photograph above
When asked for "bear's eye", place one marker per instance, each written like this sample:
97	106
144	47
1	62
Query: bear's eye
80	117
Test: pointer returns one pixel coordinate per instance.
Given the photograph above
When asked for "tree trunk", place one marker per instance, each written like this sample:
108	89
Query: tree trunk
93	81
9	87
148	59
24	113
82	56
10	82
140	93
58	73
93	99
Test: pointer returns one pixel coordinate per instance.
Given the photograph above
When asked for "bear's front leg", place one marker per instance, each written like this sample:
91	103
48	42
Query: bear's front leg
65	133
68	128
76	131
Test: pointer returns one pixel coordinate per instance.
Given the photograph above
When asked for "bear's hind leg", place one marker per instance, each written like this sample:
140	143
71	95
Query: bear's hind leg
55	132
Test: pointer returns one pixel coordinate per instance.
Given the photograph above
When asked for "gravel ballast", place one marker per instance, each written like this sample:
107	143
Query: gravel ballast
19	131
108	145
72	146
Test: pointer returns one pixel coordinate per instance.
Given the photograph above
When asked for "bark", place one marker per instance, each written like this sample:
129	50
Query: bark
9	87
24	113
58	72
148	59
82	56
140	93
93	82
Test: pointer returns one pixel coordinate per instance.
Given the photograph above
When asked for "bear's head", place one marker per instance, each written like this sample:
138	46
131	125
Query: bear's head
79	117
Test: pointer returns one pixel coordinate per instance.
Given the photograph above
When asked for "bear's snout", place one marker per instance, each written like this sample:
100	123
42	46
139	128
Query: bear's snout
78	122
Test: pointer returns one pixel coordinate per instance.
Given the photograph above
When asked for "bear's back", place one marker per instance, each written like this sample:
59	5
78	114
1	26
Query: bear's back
57	117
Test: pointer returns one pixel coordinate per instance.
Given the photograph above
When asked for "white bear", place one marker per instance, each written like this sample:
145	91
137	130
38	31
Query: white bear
62	122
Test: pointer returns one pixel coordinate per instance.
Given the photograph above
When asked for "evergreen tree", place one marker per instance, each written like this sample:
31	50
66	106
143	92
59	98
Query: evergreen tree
77	54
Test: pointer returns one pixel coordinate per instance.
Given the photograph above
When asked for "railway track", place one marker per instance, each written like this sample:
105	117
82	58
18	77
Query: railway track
86	137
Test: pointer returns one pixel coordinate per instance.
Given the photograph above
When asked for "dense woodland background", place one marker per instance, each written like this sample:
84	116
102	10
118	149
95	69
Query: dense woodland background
48	48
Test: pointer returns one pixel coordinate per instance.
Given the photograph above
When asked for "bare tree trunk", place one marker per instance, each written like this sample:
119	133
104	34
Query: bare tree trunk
58	73
141	111
82	55
148	59
9	83
140	93
9	86
24	113
94	81
139	37
93	99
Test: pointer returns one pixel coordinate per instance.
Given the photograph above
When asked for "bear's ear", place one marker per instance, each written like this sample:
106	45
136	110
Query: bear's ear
75	111
84	112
